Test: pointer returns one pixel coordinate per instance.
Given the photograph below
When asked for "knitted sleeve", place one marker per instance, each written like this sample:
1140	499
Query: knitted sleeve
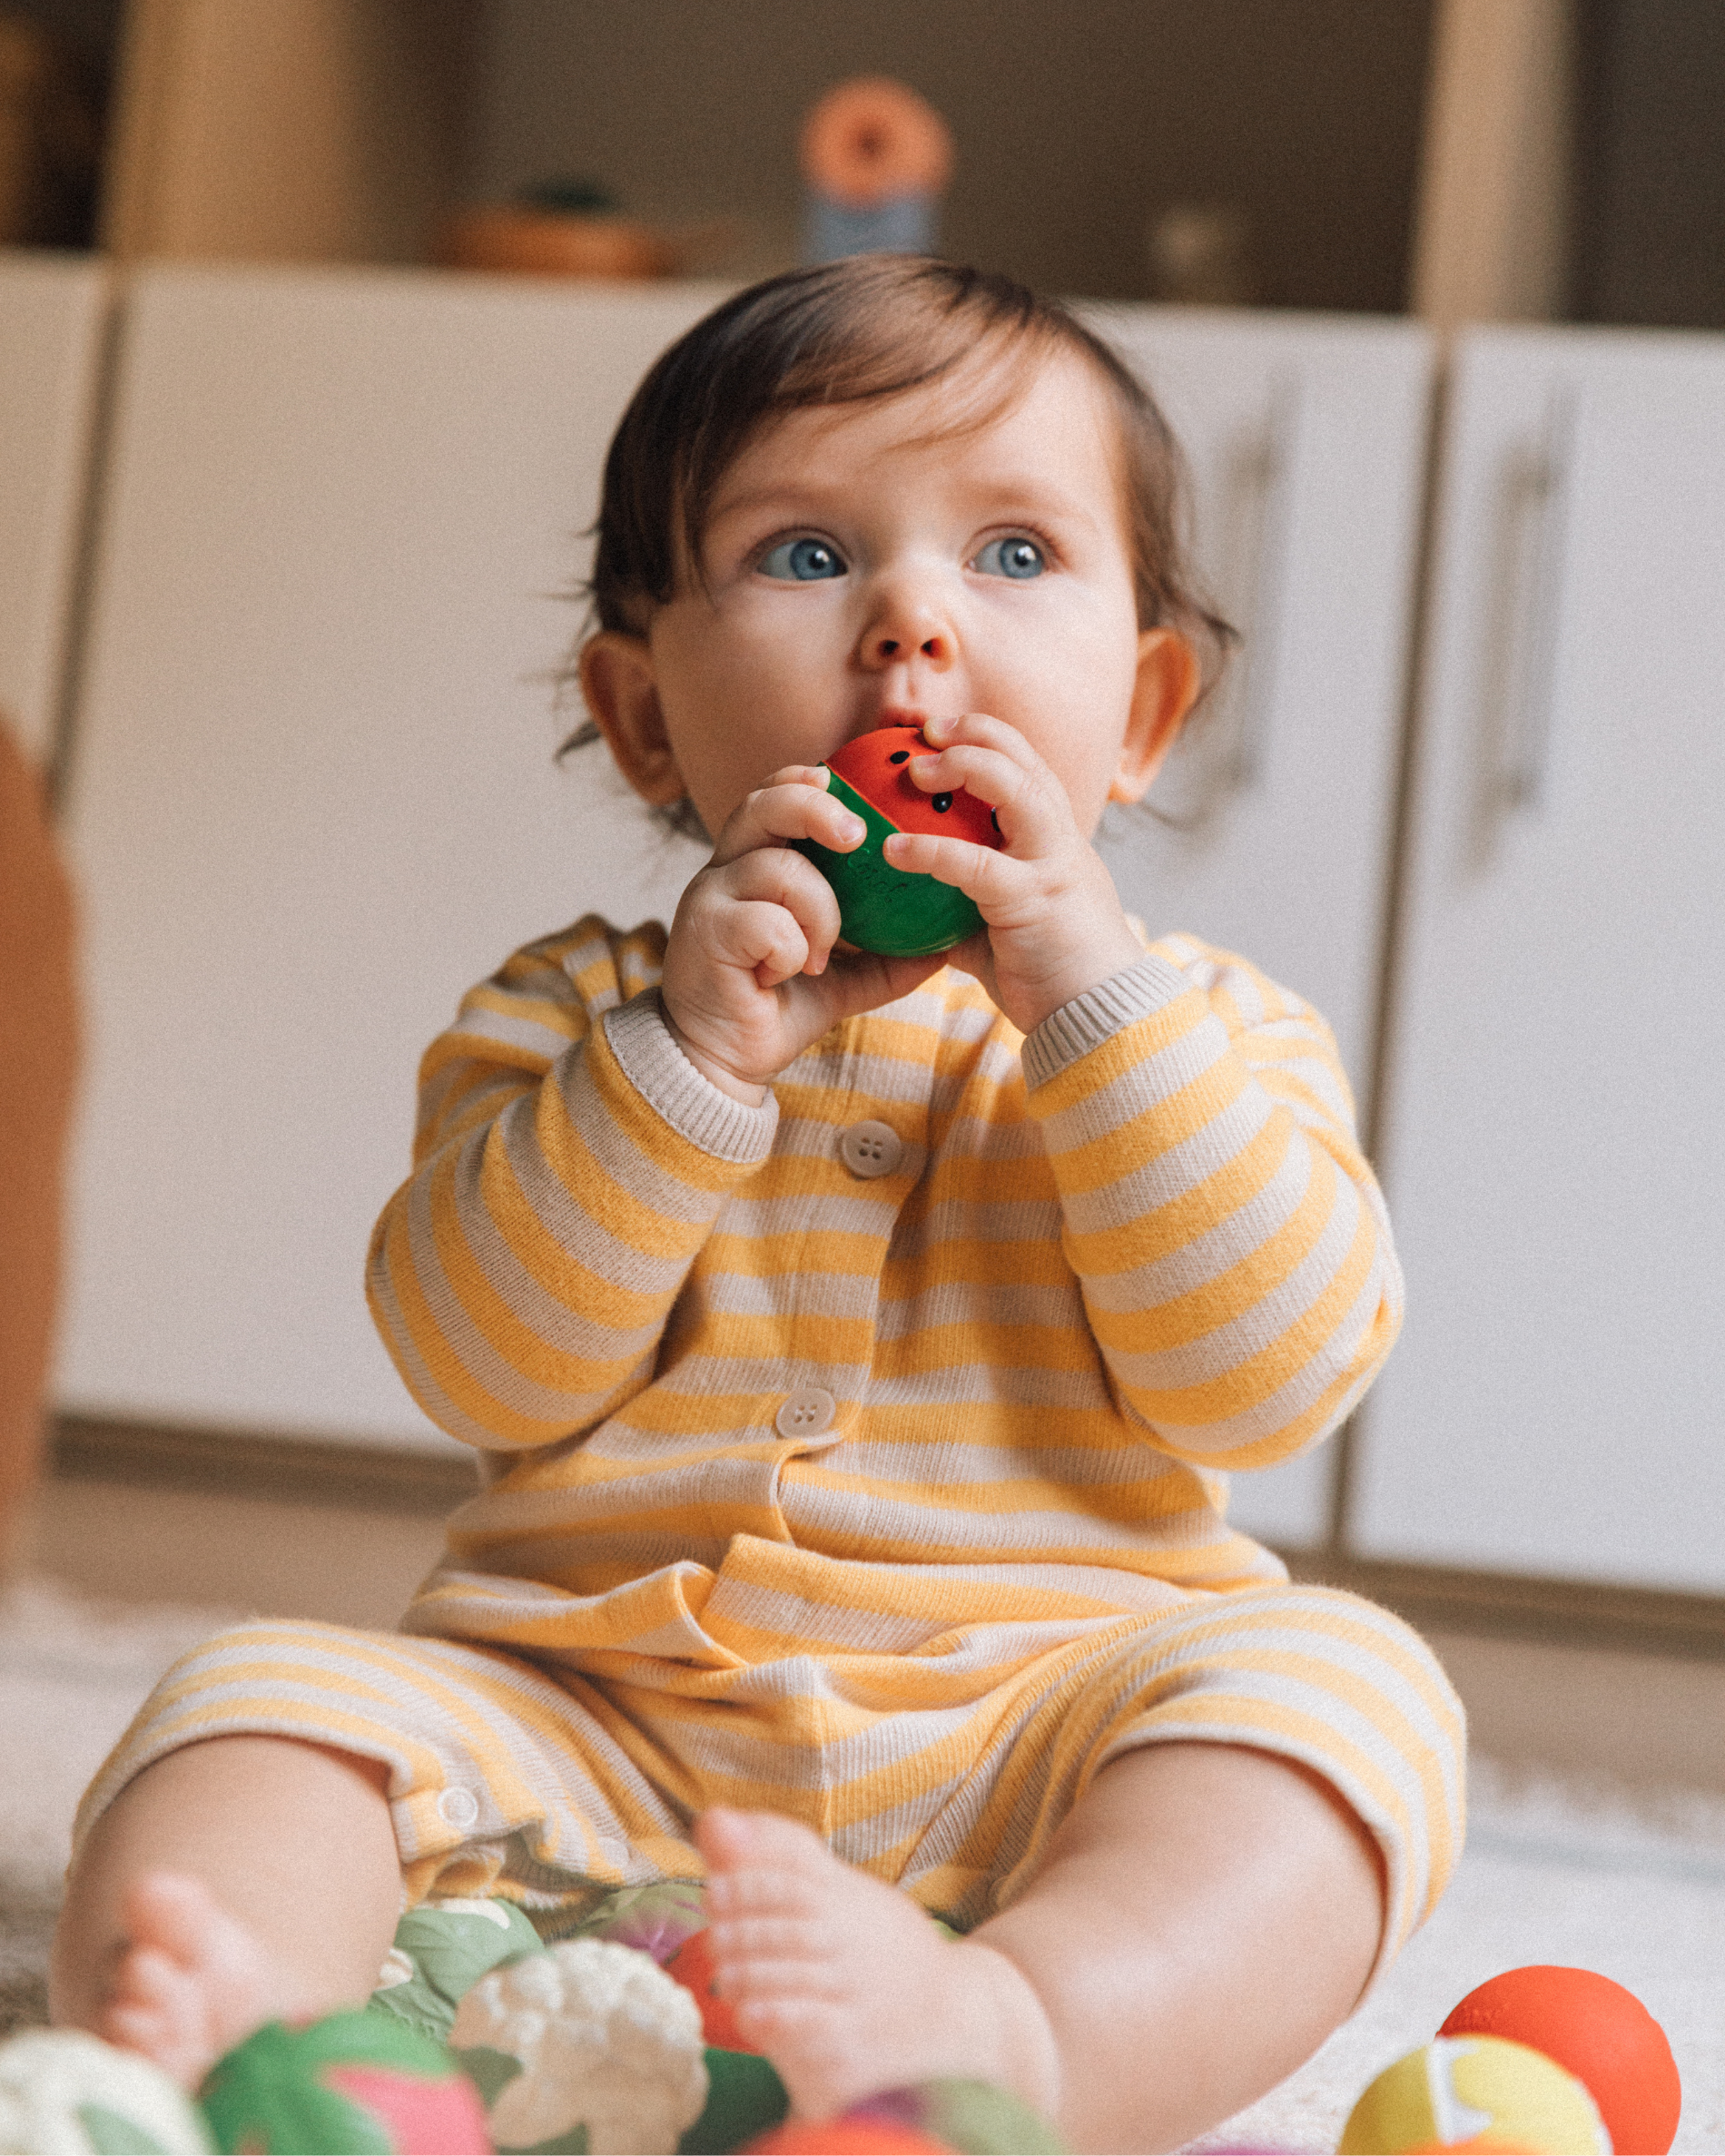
1228	1235
569	1162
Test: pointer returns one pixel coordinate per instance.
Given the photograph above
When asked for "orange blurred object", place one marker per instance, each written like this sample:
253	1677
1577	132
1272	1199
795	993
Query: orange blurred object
555	244
844	2137
871	139
692	1966
1593	2029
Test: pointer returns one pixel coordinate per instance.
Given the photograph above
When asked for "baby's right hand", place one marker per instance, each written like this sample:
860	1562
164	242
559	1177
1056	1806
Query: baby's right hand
751	975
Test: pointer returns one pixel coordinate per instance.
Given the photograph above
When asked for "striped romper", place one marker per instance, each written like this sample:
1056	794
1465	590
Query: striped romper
860	1455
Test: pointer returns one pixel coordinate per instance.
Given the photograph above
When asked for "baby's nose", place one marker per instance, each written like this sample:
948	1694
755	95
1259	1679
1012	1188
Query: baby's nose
936	647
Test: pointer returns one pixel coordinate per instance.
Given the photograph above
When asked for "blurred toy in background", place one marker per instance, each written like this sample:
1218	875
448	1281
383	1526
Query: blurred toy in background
1201	255
577	227
877	159
557	228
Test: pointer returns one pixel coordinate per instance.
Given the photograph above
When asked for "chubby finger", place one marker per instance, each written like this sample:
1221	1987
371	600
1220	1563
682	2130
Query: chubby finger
793	805
1032	812
990	878
777	879
982	730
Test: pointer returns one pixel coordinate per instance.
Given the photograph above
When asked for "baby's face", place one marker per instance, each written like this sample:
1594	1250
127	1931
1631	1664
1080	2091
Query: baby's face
865	567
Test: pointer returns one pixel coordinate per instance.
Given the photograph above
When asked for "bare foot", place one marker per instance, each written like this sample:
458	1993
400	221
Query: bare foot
847	1985
190	1982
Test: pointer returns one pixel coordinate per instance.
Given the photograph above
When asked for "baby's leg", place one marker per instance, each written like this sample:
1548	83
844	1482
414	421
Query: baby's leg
1202	1920
232	1882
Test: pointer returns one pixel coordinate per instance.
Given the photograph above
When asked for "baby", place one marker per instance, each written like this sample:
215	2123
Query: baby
851	1344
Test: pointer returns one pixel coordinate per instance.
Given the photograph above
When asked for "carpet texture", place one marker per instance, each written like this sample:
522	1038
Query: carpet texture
1554	1872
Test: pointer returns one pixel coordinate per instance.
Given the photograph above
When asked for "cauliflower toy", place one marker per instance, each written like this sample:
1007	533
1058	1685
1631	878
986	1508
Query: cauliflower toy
64	2093
587	2047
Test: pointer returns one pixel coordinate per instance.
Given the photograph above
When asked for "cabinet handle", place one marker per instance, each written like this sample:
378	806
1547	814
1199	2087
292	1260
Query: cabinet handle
1225	754
1521	650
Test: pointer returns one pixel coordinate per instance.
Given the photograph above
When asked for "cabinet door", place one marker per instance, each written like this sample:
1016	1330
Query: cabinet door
1268	832
313	795
1552	1120
52	308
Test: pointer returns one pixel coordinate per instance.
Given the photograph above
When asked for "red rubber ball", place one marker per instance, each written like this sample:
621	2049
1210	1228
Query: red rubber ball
1595	2030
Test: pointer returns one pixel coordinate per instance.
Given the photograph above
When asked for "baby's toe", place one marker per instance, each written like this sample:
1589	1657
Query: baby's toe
790	2018
812	1984
740	1938
149	1979
166	1910
745	1839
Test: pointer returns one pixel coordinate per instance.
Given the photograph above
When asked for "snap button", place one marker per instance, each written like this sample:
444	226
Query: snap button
808	1413
459	1809
869	1149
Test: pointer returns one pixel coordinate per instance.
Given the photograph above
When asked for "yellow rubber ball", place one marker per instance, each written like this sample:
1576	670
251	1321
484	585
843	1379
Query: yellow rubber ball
1475	2092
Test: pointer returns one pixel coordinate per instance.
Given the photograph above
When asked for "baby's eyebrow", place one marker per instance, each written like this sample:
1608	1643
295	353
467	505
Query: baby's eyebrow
790	497
1038	496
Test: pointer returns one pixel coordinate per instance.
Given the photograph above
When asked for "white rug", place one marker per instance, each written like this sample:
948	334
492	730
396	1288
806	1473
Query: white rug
1553	1872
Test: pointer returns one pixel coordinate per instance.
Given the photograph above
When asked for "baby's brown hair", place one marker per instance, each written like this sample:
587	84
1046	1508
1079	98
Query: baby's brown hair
854	331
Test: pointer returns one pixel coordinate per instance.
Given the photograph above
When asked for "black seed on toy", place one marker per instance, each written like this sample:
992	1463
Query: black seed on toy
899	756
940	804
994	818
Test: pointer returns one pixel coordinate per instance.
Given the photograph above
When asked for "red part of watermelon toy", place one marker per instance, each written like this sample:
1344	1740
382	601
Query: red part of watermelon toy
1593	2029
882	909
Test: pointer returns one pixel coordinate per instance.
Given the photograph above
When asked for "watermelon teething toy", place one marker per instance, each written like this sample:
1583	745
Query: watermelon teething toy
882	909
349	2083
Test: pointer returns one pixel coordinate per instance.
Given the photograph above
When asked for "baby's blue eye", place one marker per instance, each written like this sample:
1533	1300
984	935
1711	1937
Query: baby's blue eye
1017	558
802	561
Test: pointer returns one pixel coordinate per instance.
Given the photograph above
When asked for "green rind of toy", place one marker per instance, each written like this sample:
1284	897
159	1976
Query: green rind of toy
266	2094
745	2097
885	909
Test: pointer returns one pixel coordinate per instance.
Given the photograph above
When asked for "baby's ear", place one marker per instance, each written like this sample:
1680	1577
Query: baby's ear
1166	687
620	688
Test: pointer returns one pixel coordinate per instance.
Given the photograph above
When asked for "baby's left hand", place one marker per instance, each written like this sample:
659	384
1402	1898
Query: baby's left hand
1056	926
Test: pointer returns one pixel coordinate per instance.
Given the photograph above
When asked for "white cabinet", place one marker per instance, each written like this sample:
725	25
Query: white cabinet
1307	441
313	798
1553	1118
313	795
51	313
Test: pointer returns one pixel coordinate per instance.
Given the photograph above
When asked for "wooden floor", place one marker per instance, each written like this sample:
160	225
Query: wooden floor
1638	1718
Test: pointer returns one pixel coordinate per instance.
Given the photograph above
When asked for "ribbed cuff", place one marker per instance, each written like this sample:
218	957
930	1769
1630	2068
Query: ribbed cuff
686	1097
1098	1014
